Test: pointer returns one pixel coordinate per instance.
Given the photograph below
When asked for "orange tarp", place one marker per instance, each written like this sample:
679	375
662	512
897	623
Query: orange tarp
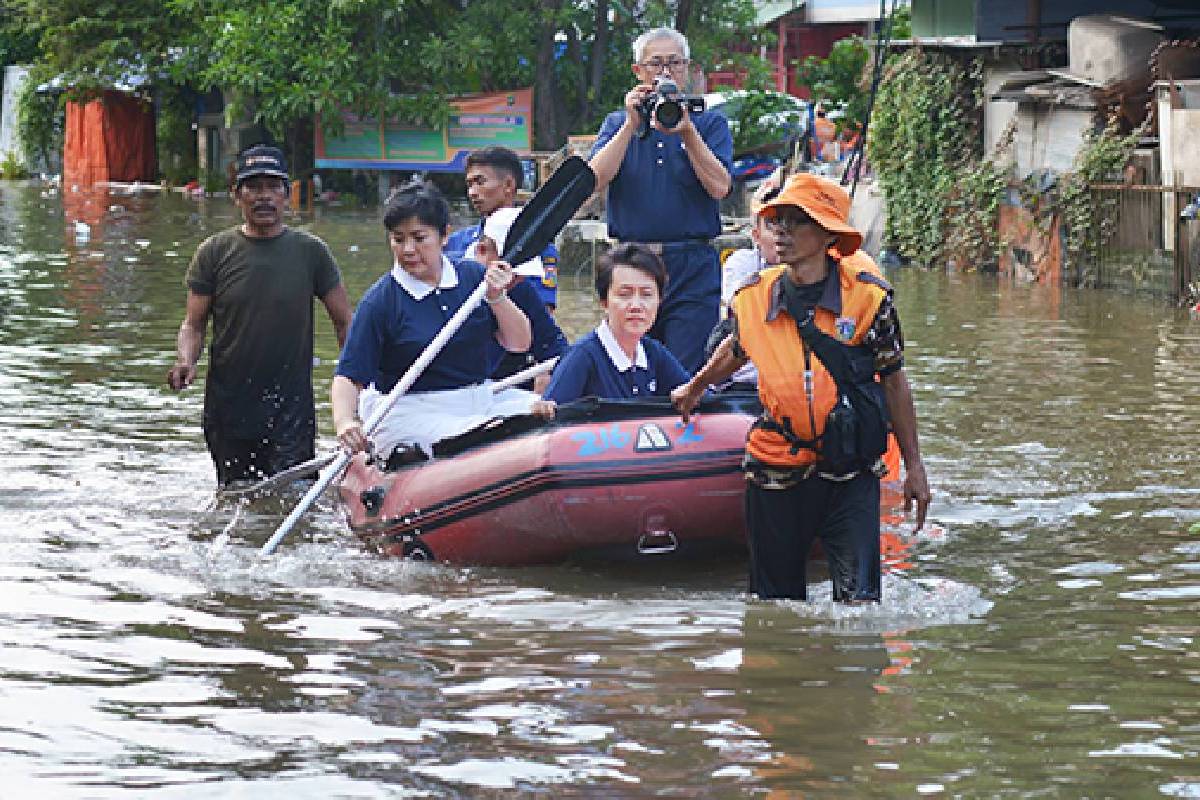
110	138
1029	250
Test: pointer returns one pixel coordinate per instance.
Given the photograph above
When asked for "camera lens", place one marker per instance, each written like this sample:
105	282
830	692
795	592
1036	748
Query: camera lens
668	113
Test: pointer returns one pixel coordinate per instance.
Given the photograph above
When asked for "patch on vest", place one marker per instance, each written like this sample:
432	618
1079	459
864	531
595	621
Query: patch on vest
844	326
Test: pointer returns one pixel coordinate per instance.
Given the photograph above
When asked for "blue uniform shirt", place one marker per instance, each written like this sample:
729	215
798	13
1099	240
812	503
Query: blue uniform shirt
548	339
546	287
391	328
655	195
596	367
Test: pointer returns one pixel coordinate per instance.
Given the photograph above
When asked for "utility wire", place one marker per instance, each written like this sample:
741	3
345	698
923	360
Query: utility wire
883	39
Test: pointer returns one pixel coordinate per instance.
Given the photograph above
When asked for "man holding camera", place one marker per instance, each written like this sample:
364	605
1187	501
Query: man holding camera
666	164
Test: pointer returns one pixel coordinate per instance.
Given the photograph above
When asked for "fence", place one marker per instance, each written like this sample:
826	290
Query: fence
1149	239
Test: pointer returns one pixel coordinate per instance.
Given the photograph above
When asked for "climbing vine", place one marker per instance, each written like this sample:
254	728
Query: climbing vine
39	121
1089	218
942	196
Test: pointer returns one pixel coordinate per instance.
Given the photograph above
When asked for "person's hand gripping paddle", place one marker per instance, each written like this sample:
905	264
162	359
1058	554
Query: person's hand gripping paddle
535	227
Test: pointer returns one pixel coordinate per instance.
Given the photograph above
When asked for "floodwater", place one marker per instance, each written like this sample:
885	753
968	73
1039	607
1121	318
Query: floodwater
1039	639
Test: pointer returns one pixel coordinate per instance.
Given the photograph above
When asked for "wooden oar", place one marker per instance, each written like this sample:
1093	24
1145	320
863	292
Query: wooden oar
320	462
538	223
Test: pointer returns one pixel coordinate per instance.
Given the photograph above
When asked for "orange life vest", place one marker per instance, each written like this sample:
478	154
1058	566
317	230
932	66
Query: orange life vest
777	351
824	132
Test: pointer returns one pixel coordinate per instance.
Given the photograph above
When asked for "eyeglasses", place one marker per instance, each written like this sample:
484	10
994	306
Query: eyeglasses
658	65
788	220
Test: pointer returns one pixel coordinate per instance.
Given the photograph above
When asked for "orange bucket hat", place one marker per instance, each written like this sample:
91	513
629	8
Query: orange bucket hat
824	201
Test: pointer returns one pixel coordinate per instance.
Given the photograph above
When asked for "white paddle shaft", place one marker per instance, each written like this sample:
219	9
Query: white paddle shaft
406	381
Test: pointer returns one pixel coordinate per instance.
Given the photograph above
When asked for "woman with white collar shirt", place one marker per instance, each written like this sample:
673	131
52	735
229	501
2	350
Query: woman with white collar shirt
401	314
617	361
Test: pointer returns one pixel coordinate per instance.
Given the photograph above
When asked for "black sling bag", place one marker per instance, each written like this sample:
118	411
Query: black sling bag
856	429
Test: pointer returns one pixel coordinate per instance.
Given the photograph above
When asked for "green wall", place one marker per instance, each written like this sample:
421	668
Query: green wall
936	18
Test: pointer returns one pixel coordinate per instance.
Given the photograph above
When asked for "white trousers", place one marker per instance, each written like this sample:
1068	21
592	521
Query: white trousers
423	418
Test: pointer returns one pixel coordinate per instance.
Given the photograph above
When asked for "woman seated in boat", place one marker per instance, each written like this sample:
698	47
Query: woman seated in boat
617	361
401	314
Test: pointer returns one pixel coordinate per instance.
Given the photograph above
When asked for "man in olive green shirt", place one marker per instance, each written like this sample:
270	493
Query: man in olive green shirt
257	282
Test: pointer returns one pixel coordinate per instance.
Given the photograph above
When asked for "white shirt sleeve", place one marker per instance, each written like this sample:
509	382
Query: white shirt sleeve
738	268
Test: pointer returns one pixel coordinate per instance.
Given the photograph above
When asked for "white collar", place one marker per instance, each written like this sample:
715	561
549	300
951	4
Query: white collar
418	288
615	354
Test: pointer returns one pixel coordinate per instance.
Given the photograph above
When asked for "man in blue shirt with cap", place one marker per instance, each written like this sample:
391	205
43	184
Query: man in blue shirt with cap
664	190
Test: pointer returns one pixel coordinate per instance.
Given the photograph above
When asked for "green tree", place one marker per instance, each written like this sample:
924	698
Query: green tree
19	45
577	89
843	80
837	81
18	38
39	120
96	44
88	46
281	63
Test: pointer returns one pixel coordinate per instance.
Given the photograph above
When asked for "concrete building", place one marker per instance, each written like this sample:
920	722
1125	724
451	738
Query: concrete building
13	78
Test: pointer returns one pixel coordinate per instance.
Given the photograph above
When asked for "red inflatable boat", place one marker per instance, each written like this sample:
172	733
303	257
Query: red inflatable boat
607	479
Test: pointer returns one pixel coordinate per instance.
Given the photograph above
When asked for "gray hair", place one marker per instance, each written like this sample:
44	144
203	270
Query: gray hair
639	44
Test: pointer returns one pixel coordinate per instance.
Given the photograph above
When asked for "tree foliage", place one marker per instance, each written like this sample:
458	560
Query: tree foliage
282	62
1089	218
18	39
93	45
39	121
843	79
837	81
761	119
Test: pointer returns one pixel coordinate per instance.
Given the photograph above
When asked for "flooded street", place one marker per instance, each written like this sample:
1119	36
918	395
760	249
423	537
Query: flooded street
1040	638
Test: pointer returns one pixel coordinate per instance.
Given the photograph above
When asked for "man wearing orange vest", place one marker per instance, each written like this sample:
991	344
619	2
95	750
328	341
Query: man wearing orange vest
824	134
820	327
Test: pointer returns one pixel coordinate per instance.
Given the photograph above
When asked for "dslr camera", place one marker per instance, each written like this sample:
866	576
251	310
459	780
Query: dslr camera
665	105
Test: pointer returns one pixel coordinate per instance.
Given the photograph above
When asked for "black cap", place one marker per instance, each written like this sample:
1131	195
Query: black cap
260	159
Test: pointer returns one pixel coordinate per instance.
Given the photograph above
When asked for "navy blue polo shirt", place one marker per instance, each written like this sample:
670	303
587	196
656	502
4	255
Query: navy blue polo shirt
391	328
546	287
548	339
656	196
588	370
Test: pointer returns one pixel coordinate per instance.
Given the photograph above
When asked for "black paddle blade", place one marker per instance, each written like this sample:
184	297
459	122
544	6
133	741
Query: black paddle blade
549	210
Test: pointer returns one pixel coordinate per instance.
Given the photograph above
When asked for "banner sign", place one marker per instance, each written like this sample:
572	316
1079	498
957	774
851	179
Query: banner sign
502	119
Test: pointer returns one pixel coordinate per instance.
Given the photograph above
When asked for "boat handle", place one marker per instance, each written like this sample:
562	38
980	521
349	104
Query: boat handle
645	547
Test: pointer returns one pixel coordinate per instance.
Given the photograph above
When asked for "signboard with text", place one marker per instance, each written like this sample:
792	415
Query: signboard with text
484	120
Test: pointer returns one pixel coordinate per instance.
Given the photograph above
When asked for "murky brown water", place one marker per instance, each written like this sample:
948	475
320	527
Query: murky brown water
1041	640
